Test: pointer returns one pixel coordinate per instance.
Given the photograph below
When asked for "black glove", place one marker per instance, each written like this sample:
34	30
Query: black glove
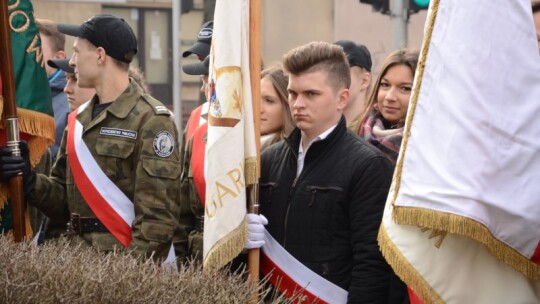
11	165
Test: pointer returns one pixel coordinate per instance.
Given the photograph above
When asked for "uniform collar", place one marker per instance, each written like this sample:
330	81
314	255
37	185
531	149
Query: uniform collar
121	107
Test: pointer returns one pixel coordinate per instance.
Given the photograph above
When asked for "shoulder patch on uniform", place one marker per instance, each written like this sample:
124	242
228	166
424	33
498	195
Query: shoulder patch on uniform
158	107
163	144
161	109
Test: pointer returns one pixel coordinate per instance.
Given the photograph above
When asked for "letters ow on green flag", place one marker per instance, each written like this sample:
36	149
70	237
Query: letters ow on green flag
462	221
231	148
33	94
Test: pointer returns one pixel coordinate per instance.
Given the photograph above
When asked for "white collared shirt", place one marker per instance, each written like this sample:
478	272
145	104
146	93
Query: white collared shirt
302	154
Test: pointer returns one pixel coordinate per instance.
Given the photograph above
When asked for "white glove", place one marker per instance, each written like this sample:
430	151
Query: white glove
255	228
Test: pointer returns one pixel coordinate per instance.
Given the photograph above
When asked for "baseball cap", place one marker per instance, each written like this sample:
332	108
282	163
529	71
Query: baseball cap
110	32
357	54
62	64
198	68
204	39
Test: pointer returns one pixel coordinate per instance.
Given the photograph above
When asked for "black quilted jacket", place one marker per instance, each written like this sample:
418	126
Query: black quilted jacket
328	217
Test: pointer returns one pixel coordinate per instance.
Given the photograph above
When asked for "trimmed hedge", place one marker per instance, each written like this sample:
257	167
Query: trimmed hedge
59	273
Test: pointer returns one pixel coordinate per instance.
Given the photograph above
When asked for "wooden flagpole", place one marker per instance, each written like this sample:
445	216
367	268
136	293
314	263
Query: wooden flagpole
255	78
11	120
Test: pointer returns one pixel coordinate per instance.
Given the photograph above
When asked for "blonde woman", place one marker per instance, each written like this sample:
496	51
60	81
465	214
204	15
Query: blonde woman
276	118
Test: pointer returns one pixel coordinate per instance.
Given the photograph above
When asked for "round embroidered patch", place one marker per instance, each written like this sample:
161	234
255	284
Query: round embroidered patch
163	144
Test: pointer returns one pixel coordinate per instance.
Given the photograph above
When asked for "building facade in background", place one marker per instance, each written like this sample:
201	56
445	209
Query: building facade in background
285	25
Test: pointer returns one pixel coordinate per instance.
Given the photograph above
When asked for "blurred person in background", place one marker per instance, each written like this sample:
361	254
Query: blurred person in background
76	95
360	66
53	47
192	179
188	240
276	119
201	48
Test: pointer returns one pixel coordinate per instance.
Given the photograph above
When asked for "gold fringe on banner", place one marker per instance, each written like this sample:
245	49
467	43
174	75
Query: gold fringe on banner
42	129
470	228
227	248
442	221
251	171
39	125
406	272
434	9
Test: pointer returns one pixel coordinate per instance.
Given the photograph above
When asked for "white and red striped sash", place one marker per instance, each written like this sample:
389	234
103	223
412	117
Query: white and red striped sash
111	206
292	278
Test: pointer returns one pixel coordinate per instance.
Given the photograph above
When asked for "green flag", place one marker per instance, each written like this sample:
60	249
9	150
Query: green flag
33	93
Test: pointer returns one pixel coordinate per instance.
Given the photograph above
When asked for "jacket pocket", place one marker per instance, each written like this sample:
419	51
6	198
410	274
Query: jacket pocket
114	147
156	231
114	157
162	168
324	197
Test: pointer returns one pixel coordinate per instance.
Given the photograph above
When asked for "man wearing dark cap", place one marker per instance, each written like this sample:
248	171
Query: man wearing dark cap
193	183
204	39
76	95
116	177
360	67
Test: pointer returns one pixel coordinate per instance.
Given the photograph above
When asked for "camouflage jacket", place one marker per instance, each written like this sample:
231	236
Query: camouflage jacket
136	162
192	210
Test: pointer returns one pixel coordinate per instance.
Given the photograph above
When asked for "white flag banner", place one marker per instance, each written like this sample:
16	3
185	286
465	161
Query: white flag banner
469	166
231	149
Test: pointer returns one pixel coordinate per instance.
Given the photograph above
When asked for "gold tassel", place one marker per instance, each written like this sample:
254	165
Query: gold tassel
227	248
42	129
406	272
251	171
470	228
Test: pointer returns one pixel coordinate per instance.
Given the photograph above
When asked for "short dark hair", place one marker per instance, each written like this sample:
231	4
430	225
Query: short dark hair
316	56
48	28
535	6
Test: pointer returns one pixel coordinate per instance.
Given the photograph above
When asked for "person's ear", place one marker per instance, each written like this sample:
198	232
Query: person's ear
343	99
365	81
60	55
101	55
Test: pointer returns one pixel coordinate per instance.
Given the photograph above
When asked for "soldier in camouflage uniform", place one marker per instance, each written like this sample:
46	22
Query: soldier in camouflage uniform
192	209
189	238
131	137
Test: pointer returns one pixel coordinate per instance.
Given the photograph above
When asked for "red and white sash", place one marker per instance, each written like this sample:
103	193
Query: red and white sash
197	161
111	206
292	278
193	122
